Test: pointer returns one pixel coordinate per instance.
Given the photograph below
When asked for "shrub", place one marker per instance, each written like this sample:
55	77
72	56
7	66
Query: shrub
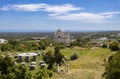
114	46
112	69
74	56
104	45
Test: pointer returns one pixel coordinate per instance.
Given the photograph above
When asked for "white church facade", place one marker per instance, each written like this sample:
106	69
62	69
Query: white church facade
61	37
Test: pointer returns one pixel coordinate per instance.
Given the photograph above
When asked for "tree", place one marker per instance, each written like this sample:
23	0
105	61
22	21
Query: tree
43	74
114	46
104	45
49	59
112	69
5	47
14	43
28	75
21	72
74	56
43	47
35	45
58	56
21	48
9	70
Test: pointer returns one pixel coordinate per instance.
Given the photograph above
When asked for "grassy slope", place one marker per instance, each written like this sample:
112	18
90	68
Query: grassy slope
88	66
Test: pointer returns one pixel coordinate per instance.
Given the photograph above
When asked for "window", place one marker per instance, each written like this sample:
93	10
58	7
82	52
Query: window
58	36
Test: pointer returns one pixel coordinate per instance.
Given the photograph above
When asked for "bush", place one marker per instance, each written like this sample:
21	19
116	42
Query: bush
62	47
114	46
104	45
112	69
43	74
43	47
74	56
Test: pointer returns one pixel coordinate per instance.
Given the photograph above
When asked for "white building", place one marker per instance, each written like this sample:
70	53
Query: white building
61	37
3	41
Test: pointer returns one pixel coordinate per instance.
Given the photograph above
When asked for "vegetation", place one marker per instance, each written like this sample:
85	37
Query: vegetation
10	70
19	45
104	46
114	46
49	59
43	74
58	56
112	69
87	66
74	56
82	42
88	63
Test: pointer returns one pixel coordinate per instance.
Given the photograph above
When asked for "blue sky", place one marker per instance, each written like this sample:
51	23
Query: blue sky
49	15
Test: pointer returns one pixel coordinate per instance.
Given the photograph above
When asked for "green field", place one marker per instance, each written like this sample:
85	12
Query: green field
90	64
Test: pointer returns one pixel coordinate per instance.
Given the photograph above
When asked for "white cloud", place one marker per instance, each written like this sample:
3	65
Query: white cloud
58	9
28	7
62	9
63	12
87	17
110	13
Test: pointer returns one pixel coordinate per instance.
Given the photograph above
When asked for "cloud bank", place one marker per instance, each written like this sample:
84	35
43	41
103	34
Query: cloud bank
62	12
87	17
41	7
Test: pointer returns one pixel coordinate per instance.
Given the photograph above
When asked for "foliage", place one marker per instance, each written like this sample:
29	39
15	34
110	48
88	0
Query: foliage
49	59
43	74
11	71
5	47
74	56
58	56
43	47
6	68
20	45
114	46
104	45
80	42
112	70
6	64
28	75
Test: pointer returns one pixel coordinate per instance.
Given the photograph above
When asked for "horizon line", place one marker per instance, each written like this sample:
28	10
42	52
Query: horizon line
55	30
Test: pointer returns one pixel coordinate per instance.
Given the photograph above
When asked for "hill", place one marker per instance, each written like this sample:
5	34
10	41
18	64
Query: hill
90	65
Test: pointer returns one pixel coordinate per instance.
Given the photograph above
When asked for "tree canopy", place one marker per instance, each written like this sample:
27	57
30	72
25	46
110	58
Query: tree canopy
112	69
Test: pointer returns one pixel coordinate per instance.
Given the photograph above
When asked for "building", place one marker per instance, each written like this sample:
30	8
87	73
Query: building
37	39
99	42
2	41
61	37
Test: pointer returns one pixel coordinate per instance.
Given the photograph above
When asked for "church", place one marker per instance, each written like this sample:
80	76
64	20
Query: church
61	37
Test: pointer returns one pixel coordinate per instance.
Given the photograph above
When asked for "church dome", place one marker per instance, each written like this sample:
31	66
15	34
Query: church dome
59	30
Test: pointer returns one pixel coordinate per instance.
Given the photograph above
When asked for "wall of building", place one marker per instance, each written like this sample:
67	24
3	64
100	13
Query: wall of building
61	37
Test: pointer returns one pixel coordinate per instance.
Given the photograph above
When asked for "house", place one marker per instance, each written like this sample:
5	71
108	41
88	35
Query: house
2	41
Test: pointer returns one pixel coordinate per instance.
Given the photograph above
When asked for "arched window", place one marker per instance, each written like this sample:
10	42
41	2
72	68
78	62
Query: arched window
58	36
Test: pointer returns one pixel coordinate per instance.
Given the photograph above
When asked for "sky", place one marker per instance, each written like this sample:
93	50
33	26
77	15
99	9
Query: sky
49	15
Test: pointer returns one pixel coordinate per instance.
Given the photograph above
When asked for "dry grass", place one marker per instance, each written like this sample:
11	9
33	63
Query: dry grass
88	66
